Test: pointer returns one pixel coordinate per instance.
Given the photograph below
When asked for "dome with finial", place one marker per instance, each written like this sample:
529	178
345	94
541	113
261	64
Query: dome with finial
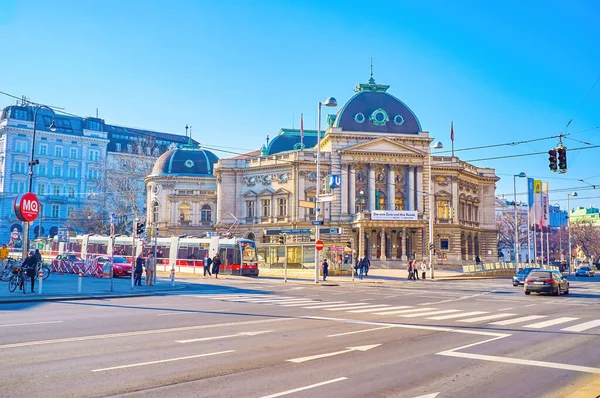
188	160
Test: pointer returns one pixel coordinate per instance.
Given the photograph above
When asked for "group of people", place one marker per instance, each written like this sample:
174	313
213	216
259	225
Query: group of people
361	266
216	264
413	269
149	263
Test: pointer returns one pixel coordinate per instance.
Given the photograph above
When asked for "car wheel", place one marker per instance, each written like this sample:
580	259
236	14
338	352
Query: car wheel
527	292
566	292
558	291
515	284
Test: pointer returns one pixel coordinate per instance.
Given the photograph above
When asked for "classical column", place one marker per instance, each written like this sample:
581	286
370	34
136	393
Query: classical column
352	187
404	257
419	176
391	193
410	187
361	242
371	185
345	190
382	243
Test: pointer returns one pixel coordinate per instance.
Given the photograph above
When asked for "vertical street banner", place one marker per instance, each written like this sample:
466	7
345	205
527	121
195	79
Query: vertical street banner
545	207
537	204
531	220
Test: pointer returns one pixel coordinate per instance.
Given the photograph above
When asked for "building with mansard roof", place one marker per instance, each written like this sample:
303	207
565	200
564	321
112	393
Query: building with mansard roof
376	144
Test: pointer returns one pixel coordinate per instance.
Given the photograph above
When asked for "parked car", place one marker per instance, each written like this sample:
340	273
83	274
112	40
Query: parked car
519	278
544	281
585	271
121	266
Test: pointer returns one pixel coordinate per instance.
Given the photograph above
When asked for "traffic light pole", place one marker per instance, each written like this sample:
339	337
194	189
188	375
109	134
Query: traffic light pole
133	231
285	258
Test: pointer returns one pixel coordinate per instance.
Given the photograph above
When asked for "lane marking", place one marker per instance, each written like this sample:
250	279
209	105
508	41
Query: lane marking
138	333
404	311
371	306
300	303
518	320
133	365
464	314
435	394
321	303
194	312
486	317
418	314
323	383
379	309
529	305
505	309
358	331
329	305
223	337
331	354
30	323
582	326
551	322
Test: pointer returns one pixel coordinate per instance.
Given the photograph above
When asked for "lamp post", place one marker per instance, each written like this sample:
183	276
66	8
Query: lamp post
330	102
569	224
437	145
33	162
528	238
520	175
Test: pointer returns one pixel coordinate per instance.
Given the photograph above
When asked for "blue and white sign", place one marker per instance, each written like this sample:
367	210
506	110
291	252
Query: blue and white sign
335	181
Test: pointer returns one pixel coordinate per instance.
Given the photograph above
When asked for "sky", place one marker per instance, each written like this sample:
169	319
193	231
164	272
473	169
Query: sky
237	71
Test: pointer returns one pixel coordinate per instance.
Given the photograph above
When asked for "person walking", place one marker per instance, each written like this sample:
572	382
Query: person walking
139	268
216	263
416	270
361	268
3	256
325	267
423	269
410	270
207	263
367	264
150	269
29	265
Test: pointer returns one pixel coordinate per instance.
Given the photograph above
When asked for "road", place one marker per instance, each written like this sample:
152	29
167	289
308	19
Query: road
261	338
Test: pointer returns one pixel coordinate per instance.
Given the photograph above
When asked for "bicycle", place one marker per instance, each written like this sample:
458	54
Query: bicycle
7	272
45	269
17	279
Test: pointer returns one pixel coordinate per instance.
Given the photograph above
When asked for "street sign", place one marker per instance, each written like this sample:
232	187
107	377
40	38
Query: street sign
335	181
63	234
327	198
319	245
307	204
331	231
317	222
27	207
294	231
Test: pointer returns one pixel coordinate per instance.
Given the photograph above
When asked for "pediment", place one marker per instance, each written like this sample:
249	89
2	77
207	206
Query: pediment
384	146
249	193
282	191
443	193
265	192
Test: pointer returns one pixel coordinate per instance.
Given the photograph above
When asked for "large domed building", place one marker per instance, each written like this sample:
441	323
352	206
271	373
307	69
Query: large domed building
182	192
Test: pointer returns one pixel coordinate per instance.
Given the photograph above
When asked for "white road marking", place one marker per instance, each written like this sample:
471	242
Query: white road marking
329	305
162	361
358	331
582	326
551	322
331	354
300	303
405	311
505	309
351	307
194	312
291	301
486	317
323	383
31	323
418	314
464	314
529	305
138	333
518	320
435	394
456	299
259	300
223	337
379	309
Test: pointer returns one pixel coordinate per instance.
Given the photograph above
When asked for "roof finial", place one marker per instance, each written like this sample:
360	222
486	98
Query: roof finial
190	139
186	130
371	80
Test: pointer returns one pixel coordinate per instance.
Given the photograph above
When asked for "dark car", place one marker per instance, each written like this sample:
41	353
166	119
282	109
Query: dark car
545	281
519	278
121	266
585	271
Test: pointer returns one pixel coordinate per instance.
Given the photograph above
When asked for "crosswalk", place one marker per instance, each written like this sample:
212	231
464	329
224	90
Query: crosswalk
512	319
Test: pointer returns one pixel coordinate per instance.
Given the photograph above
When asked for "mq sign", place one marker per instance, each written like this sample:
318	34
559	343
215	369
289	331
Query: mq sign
27	207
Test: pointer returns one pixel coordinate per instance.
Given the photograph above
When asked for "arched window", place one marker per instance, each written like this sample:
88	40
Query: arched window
205	213
185	213
155	212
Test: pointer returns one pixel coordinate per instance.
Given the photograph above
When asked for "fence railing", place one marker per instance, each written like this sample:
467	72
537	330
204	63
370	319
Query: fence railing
474	268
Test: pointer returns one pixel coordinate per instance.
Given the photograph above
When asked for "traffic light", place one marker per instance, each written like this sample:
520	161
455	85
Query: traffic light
552	159
281	239
431	246
562	159
349	244
139	229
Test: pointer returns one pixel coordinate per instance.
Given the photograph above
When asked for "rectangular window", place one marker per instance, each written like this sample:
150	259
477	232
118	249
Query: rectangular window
21	146
57	171
43	149
21	114
118	146
129	148
282	207
73	153
443	209
70	211
71	192
55	211
266	207
41	189
444	244
19	167
18	186
311	212
72	172
42	169
94	155
58	151
250	209
56	190
148	151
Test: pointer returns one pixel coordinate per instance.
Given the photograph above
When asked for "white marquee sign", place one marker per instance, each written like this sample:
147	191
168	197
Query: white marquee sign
394	215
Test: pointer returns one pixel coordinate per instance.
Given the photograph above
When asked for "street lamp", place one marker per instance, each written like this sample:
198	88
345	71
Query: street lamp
437	145
32	163
569	224
520	175
330	102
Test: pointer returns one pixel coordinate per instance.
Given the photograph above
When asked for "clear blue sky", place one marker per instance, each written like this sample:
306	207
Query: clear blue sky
239	70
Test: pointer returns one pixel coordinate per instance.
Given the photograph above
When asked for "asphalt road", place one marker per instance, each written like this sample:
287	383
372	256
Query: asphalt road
256	338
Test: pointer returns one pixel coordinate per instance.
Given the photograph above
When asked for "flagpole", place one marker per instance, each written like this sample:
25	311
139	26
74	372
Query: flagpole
452	136
302	131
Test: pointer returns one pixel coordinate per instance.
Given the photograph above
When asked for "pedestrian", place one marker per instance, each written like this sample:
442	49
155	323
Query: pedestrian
38	257
216	263
423	269
3	256
207	263
29	265
416	269
325	266
139	267
367	264
150	269
410	269
361	268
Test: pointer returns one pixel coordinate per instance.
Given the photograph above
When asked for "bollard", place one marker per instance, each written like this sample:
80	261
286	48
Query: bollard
79	282
41	278
172	276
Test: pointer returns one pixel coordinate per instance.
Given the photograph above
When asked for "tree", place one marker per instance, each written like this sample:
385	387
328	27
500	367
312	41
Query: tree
505	224
586	237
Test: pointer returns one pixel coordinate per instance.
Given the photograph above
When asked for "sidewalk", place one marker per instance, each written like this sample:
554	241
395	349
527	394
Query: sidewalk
65	287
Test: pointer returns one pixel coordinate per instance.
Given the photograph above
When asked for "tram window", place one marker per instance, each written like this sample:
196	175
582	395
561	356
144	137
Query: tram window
236	256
